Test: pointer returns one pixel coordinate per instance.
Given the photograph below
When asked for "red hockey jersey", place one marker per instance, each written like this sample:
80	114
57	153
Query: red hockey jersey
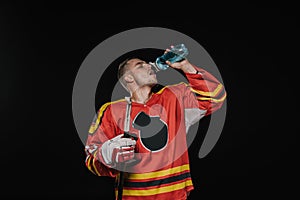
160	125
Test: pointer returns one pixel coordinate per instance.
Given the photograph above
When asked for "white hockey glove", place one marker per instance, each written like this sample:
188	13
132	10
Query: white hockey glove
118	150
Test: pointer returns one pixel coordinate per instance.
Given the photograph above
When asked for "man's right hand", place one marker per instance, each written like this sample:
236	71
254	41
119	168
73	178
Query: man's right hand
118	150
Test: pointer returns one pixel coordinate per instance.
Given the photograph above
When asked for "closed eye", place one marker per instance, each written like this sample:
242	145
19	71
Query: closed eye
140	64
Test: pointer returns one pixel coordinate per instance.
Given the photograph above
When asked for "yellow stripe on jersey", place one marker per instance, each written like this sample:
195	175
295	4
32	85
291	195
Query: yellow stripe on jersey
161	90
212	99
94	165
161	173
88	163
211	94
159	190
95	125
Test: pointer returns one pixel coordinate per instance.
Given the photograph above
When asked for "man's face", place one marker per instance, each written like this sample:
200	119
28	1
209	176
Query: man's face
142	72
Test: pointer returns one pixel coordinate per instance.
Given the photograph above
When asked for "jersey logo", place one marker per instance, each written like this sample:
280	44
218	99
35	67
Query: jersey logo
153	132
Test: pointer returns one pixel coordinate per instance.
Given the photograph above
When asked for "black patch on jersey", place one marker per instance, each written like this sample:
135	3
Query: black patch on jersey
153	132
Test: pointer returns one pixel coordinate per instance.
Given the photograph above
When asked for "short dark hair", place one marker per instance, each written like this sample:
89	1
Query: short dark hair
122	68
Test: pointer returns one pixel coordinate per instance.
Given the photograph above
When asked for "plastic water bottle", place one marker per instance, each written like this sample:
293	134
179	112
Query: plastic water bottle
176	54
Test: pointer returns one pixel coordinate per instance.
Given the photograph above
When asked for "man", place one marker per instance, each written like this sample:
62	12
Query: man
155	156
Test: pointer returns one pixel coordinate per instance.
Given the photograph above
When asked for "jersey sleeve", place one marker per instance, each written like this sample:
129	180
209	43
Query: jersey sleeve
209	92
201	96
101	129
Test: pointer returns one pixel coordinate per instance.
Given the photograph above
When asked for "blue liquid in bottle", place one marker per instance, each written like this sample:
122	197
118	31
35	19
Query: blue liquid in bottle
176	54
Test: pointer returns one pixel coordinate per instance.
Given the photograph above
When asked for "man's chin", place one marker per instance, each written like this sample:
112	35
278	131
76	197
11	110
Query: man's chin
151	84
154	83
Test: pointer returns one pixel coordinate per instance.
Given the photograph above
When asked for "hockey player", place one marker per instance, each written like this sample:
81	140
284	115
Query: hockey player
159	121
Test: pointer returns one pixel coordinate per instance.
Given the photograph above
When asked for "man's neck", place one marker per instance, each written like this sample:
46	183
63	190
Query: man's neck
141	95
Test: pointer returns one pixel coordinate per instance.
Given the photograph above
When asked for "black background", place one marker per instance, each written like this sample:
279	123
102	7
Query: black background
253	44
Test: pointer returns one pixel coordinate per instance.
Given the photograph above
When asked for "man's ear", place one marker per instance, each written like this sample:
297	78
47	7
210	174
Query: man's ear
128	78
